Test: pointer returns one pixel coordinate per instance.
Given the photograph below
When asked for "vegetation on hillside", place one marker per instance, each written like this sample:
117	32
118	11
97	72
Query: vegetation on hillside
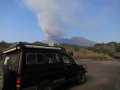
86	53
101	51
112	49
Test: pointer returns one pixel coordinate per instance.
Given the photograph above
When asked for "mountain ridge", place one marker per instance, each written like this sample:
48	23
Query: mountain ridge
80	41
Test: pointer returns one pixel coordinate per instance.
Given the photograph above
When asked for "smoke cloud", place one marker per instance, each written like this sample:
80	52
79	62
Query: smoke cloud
51	16
56	17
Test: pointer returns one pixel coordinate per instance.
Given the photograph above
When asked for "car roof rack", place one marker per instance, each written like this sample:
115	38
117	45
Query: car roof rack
20	45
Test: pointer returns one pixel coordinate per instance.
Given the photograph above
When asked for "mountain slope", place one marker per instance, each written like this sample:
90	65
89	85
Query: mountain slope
76	41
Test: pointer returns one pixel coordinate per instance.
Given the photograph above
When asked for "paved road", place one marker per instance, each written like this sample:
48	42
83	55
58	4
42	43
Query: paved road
102	75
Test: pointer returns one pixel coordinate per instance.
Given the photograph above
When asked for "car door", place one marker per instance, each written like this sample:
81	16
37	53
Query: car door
56	67
70	66
28	70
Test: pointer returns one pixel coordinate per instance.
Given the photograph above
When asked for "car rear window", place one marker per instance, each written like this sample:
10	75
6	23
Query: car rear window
12	60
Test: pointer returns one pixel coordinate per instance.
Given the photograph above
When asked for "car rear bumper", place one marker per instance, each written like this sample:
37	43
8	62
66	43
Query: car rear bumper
30	88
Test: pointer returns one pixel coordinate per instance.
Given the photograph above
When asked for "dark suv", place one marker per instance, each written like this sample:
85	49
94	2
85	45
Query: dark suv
26	66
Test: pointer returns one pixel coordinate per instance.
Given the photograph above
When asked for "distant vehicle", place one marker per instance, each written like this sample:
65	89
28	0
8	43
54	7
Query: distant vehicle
26	65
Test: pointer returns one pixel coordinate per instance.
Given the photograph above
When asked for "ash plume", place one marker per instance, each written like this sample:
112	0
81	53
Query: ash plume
50	16
58	17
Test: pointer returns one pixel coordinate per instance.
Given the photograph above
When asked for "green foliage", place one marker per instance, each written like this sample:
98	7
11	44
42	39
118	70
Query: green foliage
4	45
39	43
112	49
117	48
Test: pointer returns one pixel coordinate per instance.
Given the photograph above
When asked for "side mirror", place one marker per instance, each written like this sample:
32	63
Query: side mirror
70	53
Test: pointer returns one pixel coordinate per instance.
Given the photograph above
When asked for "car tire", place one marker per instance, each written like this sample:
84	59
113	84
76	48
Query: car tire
81	78
4	78
45	85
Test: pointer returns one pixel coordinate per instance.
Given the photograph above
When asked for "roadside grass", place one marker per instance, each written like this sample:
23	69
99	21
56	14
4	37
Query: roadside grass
87	54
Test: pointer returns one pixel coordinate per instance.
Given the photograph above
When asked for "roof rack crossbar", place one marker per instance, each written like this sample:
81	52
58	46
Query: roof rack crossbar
42	47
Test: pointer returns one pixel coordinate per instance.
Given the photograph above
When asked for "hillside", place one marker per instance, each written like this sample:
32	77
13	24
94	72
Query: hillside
112	49
79	41
86	53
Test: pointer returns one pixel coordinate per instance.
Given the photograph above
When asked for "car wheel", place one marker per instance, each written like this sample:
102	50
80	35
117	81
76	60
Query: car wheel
45	85
81	78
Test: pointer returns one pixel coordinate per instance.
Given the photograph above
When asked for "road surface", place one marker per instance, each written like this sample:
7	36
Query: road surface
102	75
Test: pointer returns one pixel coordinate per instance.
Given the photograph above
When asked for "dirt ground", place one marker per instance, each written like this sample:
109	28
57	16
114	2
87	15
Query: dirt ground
102	75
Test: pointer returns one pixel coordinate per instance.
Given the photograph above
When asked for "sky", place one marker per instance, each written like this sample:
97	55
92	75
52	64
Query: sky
37	20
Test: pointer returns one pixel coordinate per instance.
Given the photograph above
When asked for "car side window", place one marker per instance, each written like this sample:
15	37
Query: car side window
49	58
57	58
31	58
66	59
40	59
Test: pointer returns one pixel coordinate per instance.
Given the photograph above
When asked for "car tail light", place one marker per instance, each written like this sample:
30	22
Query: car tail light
18	81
